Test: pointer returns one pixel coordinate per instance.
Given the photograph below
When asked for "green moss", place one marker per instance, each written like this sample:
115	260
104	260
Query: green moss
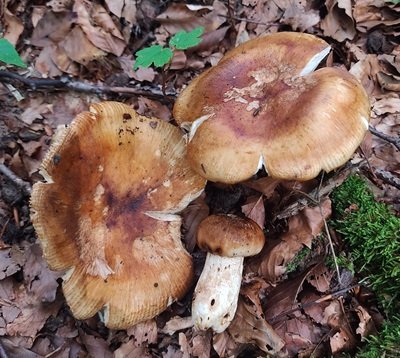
387	344
294	264
372	232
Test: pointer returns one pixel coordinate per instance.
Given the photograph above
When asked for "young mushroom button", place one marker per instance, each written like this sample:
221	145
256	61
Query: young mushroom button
227	240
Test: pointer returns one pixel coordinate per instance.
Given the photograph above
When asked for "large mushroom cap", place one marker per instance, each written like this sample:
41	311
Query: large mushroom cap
114	181
230	236
263	105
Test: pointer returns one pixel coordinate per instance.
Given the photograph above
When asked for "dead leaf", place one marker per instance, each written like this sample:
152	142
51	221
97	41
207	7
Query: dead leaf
11	261
320	277
129	349
180	17
45	65
201	344
266	185
177	323
52	28
78	48
389	82
150	108
249	326
366	327
106	37
184	345
226	346
254	209
13	27
96	346
298	14
339	22
144	333
302	229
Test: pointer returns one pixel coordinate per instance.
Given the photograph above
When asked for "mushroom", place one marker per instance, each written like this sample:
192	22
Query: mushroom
263	105
107	213
228	239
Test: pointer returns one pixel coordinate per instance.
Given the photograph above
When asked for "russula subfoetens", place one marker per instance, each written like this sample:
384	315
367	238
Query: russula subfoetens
107	213
228	239
264	105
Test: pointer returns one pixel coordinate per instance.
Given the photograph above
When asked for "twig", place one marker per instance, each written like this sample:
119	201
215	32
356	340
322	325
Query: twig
393	140
78	86
313	196
300	306
25	186
388	177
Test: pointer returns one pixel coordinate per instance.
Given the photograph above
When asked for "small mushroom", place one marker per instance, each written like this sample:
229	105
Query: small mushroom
228	239
107	213
263	105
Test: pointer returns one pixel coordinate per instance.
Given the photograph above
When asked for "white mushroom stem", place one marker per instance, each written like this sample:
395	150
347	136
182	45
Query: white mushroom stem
217	291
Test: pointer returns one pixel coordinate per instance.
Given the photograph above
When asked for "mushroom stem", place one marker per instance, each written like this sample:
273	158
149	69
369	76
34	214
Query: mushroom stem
217	291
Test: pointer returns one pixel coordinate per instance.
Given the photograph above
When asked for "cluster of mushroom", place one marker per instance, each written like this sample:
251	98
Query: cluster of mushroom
115	181
263	106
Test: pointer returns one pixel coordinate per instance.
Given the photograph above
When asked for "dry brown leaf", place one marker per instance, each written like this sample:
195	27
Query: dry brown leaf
52	28
60	5
371	13
180	17
41	282
320	277
144	333
78	48
177	323
129	349
62	61
201	344
302	229
11	261
226	346
249	326
313	310
13	27
184	345
96	346
339	22
255	210
266	185
45	65
335	318
150	108
37	13
35	109
107	38
389	82
366	327
298	14
386	105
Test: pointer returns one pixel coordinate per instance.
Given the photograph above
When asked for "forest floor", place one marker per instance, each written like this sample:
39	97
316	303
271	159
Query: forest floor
293	301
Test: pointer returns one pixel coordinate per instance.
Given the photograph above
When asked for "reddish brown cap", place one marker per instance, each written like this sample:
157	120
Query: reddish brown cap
106	214
263	105
230	236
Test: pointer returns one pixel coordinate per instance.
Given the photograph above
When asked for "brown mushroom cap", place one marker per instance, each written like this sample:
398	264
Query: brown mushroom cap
106	213
230	236
262	104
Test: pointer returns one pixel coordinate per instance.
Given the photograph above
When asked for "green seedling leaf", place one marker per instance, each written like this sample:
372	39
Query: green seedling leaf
157	55
184	40
9	55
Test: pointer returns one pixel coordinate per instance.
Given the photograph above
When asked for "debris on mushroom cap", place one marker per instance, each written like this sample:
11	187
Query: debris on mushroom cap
107	213
230	236
263	105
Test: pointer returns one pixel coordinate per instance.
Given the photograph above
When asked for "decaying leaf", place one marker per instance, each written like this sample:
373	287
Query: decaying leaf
302	229
255	210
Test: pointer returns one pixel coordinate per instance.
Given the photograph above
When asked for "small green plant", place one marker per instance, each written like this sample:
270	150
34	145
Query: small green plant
160	56
9	55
